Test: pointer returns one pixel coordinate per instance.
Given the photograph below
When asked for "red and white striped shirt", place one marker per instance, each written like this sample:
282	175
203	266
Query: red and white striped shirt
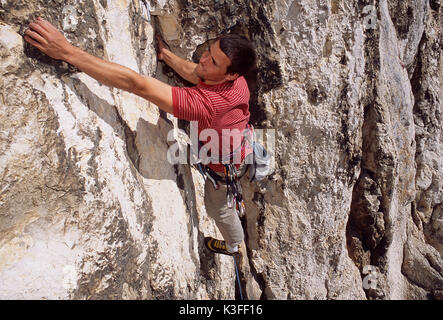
222	106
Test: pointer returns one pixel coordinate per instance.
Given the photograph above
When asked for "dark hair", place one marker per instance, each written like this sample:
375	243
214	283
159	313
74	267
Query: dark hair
241	52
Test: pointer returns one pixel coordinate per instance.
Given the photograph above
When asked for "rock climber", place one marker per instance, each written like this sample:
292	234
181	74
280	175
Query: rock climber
219	100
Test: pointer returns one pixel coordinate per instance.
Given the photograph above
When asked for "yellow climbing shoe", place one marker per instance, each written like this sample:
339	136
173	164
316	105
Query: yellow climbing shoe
217	246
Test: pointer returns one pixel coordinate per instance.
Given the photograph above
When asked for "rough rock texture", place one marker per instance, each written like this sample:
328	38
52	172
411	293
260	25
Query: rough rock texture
91	209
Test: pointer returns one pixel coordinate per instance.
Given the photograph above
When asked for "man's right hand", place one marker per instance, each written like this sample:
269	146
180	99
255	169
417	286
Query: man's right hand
183	67
160	47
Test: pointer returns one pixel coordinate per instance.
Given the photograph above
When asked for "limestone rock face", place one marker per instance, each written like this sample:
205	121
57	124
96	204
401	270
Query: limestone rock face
349	94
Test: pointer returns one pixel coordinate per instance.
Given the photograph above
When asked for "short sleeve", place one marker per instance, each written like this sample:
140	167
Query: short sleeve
191	104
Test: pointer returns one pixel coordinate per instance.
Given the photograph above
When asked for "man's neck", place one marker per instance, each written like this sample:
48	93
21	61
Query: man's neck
213	83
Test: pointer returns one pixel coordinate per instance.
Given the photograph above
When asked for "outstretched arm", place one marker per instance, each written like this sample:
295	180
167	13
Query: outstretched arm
50	41
183	67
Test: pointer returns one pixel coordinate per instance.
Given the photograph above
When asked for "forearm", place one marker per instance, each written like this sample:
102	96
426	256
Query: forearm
106	72
183	67
118	76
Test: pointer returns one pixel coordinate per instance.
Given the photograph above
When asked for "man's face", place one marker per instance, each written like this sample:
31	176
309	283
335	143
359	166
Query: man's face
213	65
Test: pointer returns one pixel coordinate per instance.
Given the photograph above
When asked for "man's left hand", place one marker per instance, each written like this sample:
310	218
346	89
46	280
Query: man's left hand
45	37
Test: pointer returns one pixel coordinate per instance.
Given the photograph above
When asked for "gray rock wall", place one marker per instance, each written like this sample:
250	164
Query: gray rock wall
350	91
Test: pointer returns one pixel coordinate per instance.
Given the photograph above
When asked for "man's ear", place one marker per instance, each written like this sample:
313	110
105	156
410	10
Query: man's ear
231	76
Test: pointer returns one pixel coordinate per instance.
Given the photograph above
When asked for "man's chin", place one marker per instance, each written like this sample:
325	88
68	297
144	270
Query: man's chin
198	72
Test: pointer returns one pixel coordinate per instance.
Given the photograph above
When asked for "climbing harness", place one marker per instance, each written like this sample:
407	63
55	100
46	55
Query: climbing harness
233	187
204	170
257	164
231	177
238	278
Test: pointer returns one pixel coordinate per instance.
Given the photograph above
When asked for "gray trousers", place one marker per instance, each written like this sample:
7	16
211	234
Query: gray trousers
226	219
